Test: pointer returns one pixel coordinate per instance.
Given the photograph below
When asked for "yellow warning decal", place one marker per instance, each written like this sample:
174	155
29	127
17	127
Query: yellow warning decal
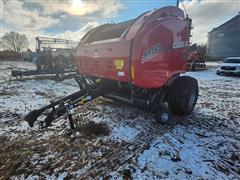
83	100
119	63
132	71
98	80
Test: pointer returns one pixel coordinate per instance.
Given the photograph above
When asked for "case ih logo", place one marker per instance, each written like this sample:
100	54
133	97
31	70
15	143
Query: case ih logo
151	52
180	44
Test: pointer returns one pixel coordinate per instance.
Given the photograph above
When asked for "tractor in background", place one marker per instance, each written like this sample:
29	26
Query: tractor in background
197	58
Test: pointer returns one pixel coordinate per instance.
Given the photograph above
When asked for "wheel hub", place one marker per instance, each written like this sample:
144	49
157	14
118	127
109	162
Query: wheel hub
165	116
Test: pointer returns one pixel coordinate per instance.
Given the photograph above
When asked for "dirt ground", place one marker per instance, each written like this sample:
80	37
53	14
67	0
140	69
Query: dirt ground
115	140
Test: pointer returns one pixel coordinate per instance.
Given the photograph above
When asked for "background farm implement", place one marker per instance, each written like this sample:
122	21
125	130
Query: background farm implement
54	56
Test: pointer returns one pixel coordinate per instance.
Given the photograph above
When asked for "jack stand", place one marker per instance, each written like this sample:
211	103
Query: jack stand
73	129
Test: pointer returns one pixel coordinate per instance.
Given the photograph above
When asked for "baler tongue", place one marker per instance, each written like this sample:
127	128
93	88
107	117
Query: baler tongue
90	89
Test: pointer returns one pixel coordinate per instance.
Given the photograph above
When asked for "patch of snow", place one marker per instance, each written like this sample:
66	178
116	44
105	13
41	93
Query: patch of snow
26	96
60	176
22	177
187	151
213	64
210	75
193	159
123	133
33	177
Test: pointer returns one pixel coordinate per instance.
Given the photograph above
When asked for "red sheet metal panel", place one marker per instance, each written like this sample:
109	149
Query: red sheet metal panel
149	52
108	60
160	51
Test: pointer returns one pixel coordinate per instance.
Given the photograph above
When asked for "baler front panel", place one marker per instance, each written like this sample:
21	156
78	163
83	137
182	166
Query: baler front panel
106	60
159	52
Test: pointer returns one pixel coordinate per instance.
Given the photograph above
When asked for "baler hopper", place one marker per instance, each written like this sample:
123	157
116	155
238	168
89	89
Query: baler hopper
137	61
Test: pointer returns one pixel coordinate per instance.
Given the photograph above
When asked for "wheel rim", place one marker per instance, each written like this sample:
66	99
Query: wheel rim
192	98
165	116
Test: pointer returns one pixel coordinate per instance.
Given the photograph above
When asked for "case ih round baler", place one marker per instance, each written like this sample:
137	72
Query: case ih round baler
139	62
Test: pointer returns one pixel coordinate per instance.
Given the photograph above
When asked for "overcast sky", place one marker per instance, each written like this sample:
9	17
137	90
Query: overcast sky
71	19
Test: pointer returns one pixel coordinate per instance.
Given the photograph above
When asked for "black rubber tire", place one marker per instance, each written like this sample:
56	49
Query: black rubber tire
60	76
183	95
218	73
163	115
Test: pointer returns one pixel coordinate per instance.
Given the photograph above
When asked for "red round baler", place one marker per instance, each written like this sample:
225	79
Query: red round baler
146	51
144	55
137	61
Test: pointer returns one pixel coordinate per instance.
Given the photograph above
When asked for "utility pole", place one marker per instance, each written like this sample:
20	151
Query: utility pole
177	3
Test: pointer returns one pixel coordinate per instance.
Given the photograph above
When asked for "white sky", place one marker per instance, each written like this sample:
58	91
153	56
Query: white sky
71	19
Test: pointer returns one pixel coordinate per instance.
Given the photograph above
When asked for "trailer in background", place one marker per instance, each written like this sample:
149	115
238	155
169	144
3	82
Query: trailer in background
54	56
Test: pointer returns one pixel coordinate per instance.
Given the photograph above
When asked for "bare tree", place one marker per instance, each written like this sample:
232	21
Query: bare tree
14	41
1	46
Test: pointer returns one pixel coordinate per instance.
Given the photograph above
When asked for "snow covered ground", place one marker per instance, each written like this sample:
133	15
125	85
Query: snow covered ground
205	145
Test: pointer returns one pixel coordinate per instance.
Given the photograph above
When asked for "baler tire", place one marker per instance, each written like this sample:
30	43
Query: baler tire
163	115
183	95
59	76
218	73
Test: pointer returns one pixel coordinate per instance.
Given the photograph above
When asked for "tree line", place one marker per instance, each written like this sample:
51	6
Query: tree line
12	44
14	41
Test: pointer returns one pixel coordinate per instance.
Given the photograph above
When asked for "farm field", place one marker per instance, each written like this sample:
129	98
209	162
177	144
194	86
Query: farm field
116	140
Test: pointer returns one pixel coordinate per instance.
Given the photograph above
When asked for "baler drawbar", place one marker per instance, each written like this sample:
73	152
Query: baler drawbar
90	88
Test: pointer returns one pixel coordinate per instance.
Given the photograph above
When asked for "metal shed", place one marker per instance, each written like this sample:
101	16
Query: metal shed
224	41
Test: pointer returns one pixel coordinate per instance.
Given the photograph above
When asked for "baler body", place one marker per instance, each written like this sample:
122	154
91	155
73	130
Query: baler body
139	62
146	51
